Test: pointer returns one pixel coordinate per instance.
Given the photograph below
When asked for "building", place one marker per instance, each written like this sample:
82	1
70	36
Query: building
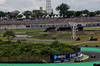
48	6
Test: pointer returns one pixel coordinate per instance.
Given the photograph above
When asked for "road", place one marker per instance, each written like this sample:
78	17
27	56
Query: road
20	38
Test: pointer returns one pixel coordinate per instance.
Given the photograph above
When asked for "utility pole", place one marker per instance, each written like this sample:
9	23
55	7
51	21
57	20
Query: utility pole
74	27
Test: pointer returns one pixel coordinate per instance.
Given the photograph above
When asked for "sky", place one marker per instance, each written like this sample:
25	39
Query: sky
23	5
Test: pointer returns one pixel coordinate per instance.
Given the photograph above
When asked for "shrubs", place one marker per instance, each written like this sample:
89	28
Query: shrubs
64	48
8	42
5	42
9	35
67	50
75	48
36	51
18	41
54	44
1	40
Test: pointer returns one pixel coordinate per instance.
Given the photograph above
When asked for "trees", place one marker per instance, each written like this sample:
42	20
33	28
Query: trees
91	14
2	14
86	12
44	13
33	16
70	14
82	13
9	35
97	12
39	14
63	9
27	14
12	15
19	16
78	13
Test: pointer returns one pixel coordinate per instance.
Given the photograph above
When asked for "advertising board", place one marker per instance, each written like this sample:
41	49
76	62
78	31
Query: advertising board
64	57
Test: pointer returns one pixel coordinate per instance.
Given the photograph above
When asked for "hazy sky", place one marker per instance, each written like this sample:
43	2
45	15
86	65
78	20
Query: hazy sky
22	5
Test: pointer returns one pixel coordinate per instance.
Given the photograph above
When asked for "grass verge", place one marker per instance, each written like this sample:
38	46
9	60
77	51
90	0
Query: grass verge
84	57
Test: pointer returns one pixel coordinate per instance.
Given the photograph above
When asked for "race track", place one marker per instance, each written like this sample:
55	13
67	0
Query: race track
91	51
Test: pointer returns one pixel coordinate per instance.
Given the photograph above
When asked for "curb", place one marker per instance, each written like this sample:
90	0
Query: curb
86	58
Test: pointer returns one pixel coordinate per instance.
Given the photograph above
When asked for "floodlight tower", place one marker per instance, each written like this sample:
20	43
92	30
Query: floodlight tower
48	6
74	27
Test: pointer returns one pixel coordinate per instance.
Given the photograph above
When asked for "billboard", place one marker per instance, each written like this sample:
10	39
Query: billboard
64	57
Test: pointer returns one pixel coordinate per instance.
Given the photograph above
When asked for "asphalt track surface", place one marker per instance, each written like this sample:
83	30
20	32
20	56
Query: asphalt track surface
20	38
89	53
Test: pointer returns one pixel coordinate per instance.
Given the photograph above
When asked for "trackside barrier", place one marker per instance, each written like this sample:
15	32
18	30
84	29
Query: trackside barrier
88	45
96	64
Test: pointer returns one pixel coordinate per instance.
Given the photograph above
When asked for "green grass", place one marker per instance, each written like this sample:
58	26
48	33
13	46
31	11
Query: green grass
84	57
40	34
29	30
23	31
91	28
49	42
84	35
20	32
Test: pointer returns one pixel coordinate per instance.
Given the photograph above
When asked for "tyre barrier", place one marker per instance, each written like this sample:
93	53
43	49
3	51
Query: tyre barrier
96	64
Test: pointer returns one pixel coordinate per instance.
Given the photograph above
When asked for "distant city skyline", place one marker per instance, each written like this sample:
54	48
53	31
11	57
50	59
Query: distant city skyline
22	5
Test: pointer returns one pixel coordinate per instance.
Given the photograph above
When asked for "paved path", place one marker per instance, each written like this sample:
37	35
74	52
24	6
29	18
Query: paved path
20	38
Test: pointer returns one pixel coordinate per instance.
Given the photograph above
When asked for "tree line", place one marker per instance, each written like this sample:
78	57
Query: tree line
63	10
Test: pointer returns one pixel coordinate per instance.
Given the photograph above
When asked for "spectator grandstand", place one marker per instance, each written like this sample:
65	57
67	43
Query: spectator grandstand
50	21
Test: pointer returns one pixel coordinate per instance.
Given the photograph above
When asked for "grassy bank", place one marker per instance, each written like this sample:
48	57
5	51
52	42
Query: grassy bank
40	34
